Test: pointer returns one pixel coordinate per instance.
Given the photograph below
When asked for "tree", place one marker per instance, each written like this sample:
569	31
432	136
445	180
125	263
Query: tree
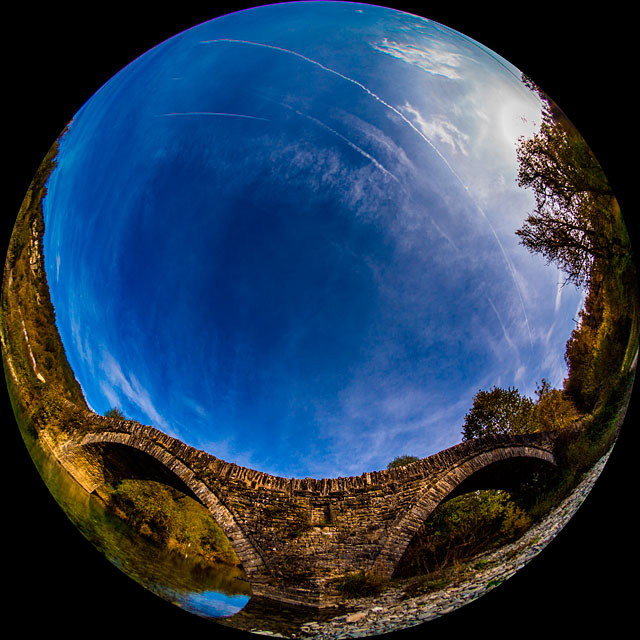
576	219
401	461
114	413
596	350
554	410
499	411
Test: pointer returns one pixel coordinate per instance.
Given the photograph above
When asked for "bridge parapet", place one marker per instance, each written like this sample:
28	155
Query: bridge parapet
297	537
222	470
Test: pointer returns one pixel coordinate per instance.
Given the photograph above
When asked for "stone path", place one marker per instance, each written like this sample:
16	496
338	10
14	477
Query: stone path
390	612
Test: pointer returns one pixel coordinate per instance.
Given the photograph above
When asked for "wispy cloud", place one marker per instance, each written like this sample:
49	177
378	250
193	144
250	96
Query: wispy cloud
82	345
353	81
133	391
439	129
381	142
434	60
504	330
346	140
559	288
400	419
228	449
324	169
110	394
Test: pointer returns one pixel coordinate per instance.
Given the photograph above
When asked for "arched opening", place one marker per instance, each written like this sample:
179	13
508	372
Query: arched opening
489	508
170	539
522	476
118	462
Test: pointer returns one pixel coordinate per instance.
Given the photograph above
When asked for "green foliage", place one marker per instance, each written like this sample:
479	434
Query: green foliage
401	461
505	411
114	413
499	411
554	410
494	583
578	225
27	317
577	451
360	584
170	518
462	527
599	349
434	581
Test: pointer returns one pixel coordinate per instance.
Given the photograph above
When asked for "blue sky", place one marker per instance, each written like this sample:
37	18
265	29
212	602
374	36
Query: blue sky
293	245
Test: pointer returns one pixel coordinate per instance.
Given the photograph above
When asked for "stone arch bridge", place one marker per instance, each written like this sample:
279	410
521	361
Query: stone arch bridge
296	537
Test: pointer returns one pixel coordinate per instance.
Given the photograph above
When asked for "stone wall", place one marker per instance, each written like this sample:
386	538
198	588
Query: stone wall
297	537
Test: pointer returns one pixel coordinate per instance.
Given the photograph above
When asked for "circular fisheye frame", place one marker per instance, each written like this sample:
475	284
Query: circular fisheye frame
319	319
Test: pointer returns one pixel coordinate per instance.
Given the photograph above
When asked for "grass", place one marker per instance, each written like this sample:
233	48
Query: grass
438	578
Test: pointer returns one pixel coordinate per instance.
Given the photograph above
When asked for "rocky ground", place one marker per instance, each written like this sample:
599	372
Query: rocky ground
392	610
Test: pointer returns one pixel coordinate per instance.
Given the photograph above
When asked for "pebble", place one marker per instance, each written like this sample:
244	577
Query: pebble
389	612
354	617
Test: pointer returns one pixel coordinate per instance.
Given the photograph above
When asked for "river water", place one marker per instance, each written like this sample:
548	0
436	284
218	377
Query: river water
214	591
217	592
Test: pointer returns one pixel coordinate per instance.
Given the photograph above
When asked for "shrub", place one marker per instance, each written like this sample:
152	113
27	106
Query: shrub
360	584
462	527
401	461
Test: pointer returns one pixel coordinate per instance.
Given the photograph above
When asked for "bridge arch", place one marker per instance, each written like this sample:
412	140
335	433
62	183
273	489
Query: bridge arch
247	552
437	492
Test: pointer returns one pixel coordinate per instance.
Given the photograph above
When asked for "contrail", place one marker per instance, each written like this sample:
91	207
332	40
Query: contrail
407	121
348	79
213	113
504	331
510	267
351	144
443	234
354	146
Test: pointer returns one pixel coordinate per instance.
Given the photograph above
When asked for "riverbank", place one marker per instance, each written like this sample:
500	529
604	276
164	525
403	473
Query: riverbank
393	610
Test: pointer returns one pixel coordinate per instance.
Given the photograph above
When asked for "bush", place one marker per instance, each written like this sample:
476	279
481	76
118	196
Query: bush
554	409
360	584
401	461
463	527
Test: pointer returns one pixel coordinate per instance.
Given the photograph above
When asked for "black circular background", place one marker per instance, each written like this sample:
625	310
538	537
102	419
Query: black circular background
56	57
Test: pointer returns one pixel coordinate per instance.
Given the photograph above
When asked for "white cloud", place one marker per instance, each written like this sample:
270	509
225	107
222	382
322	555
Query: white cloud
382	418
227	449
434	60
132	390
326	170
559	289
109	394
439	129
350	143
381	142
82	346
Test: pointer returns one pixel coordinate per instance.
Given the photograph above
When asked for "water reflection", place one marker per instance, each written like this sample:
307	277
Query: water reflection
212	591
212	603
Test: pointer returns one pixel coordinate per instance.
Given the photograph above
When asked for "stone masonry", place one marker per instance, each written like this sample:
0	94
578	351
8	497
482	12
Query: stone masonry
296	537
